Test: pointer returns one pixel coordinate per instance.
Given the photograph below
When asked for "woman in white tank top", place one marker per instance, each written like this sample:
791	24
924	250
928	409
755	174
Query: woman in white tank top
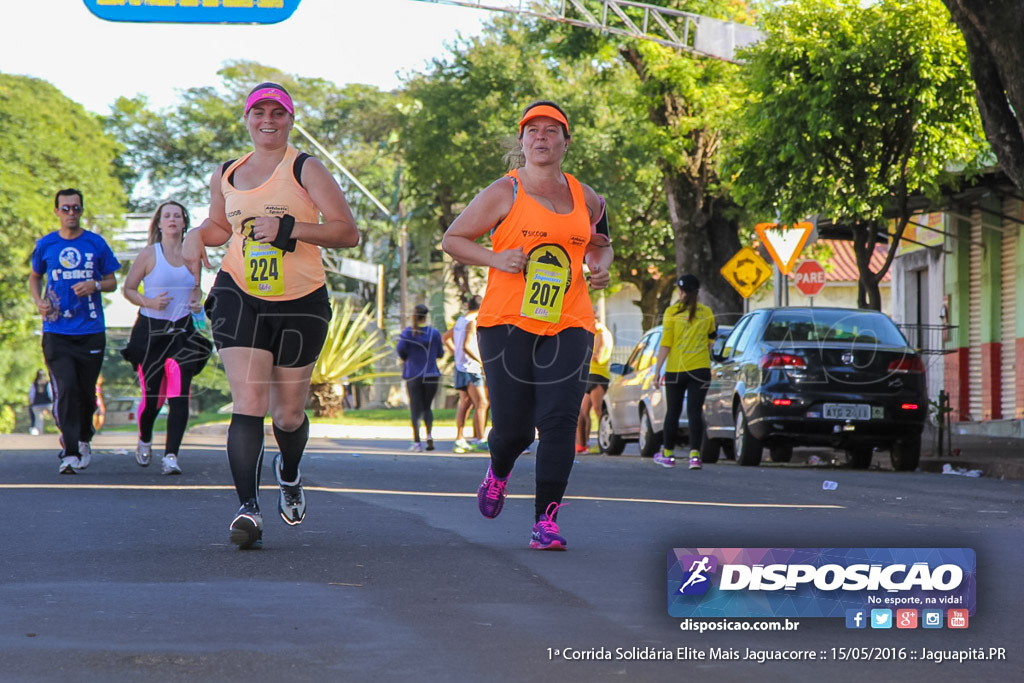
165	349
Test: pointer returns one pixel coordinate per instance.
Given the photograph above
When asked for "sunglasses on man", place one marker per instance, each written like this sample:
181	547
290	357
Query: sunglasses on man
71	208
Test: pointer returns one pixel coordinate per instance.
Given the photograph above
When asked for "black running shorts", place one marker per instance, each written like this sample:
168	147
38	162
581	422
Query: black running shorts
294	331
595	381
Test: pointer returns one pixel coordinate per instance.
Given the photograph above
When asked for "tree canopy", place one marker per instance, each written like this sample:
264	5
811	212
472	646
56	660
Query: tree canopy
853	109
992	32
47	142
462	119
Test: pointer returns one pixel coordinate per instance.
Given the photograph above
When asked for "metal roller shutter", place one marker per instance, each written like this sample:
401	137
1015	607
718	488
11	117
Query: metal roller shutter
974	312
1008	302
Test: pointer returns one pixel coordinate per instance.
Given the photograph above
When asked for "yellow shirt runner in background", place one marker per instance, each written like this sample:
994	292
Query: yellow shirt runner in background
688	340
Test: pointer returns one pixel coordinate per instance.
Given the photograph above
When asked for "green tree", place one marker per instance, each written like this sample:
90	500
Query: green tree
461	120
688	100
854	108
47	142
680	109
991	32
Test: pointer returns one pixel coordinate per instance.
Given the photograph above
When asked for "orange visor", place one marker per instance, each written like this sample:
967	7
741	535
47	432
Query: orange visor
544	110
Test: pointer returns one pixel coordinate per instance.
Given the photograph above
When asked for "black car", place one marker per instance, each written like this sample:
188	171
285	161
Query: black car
838	377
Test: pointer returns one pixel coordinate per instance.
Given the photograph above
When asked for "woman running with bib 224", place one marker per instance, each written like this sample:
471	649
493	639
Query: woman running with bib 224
536	325
268	308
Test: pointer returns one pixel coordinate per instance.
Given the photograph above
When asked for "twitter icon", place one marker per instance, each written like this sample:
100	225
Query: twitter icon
881	618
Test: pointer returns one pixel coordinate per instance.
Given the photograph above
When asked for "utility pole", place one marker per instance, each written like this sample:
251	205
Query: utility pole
403	249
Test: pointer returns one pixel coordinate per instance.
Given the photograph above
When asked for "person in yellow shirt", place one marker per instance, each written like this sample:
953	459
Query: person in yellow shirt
597	384
689	330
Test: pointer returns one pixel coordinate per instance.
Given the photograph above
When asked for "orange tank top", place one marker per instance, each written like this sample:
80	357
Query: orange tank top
261	269
548	239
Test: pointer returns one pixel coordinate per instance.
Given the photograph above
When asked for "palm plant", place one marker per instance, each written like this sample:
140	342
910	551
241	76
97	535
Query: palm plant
351	348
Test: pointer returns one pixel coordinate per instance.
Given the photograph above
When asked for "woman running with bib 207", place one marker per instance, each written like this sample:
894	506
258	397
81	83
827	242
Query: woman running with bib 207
536	325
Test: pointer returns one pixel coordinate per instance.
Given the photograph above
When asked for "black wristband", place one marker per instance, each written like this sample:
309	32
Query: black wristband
284	240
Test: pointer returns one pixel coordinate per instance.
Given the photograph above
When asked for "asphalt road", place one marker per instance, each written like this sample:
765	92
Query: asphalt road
121	574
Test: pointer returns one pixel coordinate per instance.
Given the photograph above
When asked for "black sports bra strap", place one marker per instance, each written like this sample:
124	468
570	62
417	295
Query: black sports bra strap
224	169
297	167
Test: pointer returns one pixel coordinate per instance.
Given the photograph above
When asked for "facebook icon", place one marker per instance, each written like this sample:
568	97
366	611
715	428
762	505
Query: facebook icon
856	618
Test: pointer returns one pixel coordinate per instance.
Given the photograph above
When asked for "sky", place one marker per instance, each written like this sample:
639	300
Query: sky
94	62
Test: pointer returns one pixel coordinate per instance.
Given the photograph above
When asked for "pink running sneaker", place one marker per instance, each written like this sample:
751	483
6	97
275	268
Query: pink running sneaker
545	531
490	497
664	460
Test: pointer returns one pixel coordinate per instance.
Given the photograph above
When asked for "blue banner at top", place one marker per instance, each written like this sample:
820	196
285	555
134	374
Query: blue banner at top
194	11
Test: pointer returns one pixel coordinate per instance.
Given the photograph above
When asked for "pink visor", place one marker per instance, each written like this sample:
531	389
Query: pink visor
279	96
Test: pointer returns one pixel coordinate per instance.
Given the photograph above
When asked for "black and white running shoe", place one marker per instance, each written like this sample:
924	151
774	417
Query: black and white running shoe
247	527
292	501
68	464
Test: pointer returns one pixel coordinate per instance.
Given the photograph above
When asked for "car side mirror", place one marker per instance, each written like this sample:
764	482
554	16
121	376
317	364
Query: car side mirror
716	350
617	368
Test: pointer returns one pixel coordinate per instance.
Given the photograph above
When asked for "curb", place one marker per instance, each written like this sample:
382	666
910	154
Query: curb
989	469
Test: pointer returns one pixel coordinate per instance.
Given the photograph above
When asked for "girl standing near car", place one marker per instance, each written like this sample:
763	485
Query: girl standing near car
688	331
164	348
597	383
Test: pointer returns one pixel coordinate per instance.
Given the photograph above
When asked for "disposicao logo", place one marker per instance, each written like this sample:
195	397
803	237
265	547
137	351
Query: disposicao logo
818	582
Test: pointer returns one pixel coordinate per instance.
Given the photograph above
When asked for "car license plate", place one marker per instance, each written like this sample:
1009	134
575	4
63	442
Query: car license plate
846	411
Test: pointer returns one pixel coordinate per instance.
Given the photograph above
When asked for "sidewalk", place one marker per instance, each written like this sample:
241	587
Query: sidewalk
996	457
342	431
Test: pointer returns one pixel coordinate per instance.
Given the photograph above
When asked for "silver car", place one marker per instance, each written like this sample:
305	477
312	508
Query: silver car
633	410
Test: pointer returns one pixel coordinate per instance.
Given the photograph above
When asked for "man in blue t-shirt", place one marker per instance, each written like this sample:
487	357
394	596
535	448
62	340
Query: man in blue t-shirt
77	265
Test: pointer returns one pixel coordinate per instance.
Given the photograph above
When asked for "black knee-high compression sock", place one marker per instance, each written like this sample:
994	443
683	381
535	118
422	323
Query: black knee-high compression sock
292	445
245	454
177	421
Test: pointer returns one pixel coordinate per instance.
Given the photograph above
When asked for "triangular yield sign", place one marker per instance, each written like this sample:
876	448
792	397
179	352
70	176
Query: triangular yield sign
784	243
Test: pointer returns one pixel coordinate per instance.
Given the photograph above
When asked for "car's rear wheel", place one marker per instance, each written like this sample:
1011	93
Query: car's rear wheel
748	448
906	454
710	449
781	453
859	457
607	440
650	440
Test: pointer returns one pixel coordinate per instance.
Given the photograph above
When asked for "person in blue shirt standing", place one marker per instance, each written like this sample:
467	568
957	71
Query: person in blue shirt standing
420	346
76	265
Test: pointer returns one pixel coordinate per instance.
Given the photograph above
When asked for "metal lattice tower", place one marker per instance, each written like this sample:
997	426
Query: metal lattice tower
681	30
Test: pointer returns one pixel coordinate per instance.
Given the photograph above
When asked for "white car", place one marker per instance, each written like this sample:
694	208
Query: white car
633	410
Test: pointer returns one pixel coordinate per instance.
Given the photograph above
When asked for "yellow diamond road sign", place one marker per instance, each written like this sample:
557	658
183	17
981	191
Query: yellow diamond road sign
746	271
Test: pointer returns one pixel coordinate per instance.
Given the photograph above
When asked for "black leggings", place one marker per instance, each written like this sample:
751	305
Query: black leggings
421	395
676	385
164	383
74	362
535	383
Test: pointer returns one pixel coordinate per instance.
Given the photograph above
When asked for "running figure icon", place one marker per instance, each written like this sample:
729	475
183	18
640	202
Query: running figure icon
696	570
